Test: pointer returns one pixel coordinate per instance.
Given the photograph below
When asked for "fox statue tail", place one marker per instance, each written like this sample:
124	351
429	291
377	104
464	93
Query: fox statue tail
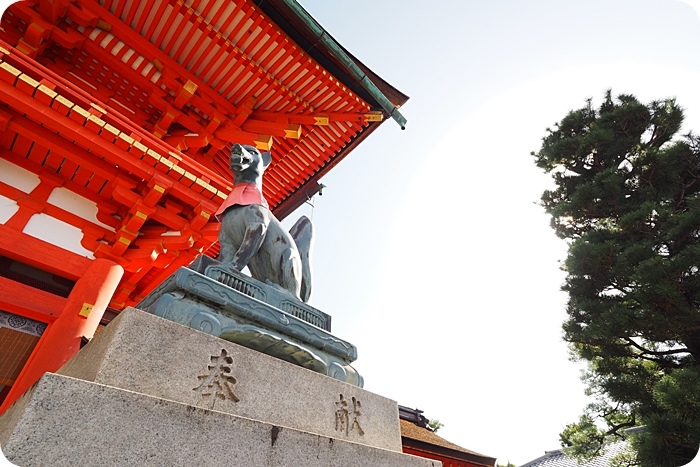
303	234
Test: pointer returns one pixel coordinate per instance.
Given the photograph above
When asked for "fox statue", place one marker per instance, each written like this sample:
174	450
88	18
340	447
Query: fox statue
250	235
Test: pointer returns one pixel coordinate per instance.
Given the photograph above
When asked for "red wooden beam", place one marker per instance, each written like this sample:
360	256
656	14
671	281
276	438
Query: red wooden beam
150	52
131	161
40	254
114	118
30	302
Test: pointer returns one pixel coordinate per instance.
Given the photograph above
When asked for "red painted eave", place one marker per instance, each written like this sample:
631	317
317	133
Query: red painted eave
426	441
134	110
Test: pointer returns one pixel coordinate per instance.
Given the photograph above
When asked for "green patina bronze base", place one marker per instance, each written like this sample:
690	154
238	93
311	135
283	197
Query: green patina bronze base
225	303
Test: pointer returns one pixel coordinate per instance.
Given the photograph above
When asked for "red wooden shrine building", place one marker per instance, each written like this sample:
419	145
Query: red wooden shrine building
418	439
115	116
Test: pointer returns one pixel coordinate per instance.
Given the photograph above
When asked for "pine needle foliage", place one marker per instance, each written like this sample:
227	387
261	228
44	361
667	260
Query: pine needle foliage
627	201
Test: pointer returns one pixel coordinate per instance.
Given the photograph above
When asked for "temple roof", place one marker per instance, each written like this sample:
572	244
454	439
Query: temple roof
133	105
557	458
417	435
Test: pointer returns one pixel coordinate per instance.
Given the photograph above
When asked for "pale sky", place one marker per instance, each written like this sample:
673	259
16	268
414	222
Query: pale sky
431	254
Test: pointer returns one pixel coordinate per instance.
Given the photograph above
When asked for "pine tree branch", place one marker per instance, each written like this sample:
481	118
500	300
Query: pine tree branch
655	352
615	429
665	364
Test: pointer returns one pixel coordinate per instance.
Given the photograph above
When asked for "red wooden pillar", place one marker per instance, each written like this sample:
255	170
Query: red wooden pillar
80	317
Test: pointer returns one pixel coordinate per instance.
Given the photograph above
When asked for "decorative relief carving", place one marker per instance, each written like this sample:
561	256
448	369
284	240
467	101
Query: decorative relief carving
22	324
226	298
347	415
190	298
258	311
218	383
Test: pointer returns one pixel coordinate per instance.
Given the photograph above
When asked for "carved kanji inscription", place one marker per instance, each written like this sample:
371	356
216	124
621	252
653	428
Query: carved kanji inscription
347	415
219	382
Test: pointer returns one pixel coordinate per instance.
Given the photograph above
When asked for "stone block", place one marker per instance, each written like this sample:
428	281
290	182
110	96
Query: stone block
147	354
64	421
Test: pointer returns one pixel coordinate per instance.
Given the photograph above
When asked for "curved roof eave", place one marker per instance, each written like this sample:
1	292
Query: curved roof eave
317	42
304	30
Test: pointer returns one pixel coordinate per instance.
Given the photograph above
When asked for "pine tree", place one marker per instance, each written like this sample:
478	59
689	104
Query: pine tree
627	201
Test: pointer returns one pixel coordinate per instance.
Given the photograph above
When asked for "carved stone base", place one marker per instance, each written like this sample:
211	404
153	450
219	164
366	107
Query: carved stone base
147	391
225	303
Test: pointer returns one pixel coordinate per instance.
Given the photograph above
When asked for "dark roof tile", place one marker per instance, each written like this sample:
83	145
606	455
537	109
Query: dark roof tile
559	459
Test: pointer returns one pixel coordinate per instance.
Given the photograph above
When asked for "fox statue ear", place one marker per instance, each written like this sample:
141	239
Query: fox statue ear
266	158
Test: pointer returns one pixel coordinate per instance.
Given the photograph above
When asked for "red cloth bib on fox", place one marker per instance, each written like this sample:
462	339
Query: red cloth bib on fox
243	193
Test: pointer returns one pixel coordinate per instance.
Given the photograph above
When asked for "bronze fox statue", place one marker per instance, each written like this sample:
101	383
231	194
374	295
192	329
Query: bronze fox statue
252	236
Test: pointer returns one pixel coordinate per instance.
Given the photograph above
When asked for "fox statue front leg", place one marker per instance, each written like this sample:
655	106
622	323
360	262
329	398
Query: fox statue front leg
248	227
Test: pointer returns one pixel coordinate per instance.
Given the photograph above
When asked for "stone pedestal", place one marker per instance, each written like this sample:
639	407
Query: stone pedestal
148	391
220	301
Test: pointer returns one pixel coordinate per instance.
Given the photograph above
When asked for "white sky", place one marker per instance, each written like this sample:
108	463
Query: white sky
431	254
